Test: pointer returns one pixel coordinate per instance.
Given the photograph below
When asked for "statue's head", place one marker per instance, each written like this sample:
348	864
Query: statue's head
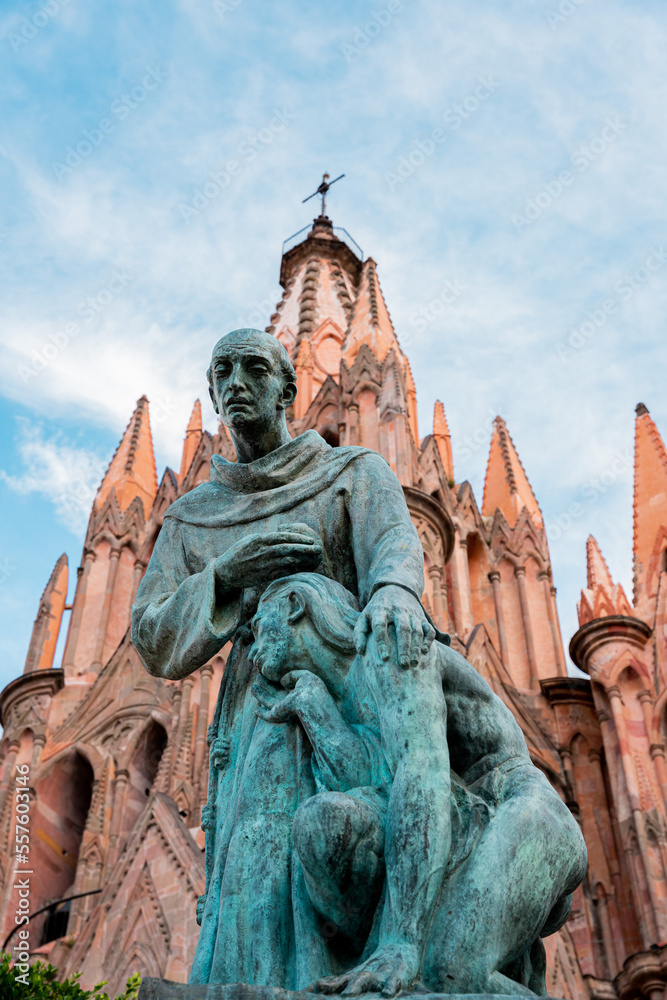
251	380
305	622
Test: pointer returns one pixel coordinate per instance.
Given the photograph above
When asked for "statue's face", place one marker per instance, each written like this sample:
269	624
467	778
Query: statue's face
249	386
273	651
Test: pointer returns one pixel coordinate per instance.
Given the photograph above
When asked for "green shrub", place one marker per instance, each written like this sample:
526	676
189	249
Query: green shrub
43	985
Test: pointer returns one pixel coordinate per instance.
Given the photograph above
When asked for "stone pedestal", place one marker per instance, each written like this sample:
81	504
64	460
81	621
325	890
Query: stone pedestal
163	989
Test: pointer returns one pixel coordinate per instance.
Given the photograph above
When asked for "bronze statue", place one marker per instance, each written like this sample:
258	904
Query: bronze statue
374	822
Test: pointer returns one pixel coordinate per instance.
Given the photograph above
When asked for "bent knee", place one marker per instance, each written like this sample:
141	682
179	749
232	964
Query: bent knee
542	816
328	825
327	809
566	838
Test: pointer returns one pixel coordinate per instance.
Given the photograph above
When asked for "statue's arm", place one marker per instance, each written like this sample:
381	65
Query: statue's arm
390	565
342	755
387	550
180	619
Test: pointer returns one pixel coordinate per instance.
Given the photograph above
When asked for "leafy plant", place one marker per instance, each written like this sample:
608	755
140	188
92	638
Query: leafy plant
43	985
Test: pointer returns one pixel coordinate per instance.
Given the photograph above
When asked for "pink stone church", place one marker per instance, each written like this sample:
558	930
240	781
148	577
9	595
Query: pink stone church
119	760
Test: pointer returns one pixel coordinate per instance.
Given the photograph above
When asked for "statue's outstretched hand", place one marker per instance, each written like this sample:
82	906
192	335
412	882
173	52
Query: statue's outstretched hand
393	609
387	971
256	559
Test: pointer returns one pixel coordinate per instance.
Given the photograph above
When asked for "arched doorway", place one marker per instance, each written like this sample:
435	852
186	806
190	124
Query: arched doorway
61	811
142	770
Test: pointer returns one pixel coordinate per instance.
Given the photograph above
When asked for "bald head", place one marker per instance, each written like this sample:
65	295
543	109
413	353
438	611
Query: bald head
266	343
251	384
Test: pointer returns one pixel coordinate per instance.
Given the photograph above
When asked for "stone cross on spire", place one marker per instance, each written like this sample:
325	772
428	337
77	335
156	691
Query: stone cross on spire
322	190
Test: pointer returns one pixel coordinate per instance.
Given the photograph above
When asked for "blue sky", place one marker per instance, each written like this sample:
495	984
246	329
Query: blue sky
512	151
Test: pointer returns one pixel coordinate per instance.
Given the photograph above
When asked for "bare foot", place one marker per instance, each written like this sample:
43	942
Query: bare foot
388	970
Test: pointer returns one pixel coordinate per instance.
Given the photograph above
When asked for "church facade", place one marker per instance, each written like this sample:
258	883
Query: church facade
118	760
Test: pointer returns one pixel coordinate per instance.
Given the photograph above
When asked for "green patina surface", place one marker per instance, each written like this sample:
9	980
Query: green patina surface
374	822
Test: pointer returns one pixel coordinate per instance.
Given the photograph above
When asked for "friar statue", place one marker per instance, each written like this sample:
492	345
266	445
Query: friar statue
352	899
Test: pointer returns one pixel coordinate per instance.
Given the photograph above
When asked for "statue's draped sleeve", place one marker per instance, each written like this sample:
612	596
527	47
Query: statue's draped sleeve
178	623
386	545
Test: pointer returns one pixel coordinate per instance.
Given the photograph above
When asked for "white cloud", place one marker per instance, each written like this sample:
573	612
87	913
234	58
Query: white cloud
65	475
495	346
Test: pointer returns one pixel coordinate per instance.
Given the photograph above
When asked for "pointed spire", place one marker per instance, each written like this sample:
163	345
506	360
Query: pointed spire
650	496
597	571
370	322
45	631
443	438
193	435
132	471
602	597
506	486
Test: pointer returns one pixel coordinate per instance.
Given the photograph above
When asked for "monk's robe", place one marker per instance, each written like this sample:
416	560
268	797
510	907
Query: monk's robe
257	924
